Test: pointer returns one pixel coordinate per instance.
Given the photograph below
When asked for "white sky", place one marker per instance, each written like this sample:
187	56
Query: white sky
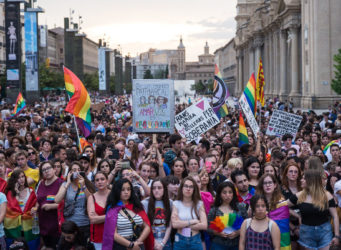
137	25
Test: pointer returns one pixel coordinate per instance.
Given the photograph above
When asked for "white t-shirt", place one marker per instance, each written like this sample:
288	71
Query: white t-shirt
337	188
186	213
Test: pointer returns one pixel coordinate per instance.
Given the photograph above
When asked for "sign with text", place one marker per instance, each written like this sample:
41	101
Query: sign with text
249	115
153	106
283	123
101	69
196	120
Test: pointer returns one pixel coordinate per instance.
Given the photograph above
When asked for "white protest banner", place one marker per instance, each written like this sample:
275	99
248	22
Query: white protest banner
249	115
153	106
196	120
282	122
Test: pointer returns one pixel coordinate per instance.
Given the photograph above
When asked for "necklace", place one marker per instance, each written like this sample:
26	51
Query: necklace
260	218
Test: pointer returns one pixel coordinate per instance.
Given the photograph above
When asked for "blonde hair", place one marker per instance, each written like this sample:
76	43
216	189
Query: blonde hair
314	188
233	162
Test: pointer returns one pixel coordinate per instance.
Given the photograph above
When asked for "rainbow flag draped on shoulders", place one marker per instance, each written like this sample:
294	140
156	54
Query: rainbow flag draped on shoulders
251	94
220	94
79	103
281	216
20	104
17	221
243	136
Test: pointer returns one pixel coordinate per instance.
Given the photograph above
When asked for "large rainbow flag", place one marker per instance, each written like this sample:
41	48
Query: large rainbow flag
243	136
260	84
326	149
79	103
281	216
20	104
227	223
220	94
251	94
17	221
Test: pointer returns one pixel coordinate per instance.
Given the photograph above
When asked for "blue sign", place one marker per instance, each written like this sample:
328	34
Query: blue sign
31	51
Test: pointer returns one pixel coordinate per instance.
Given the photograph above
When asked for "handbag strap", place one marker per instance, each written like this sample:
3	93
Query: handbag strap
130	219
77	193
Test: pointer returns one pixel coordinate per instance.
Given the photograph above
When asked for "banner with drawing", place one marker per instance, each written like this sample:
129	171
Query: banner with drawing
196	120
283	123
153	106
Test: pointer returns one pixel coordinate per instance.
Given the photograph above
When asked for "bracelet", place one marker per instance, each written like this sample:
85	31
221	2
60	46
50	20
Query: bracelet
131	245
161	243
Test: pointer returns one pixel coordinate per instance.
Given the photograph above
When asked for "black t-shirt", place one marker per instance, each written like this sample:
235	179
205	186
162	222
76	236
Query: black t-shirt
311	215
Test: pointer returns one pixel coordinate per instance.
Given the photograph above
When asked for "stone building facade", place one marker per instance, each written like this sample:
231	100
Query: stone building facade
296	40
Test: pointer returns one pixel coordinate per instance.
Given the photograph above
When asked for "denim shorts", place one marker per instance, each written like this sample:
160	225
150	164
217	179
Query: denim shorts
187	243
316	237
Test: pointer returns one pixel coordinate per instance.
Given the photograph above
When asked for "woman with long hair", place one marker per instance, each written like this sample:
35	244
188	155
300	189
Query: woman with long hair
3	175
75	192
21	206
226	203
96	209
179	168
71	237
193	165
259	232
93	161
32	157
104	166
29	138
125	212
48	216
268	186
188	216
252	170
316	205
158	208
206	185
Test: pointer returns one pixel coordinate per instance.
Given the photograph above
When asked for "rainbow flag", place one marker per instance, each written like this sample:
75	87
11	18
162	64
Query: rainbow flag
260	84
20	104
326	149
227	223
17	221
281	216
251	94
220	94
243	136
79	103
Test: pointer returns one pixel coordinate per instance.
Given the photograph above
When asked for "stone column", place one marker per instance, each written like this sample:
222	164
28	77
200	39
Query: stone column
271	63
294	62
251	61
240	73
283	63
275	64
257	44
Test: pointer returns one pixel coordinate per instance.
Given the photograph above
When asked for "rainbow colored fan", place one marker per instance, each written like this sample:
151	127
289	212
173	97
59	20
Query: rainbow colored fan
227	223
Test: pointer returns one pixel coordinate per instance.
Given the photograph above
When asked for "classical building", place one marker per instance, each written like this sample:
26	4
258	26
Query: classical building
225	58
2	40
296	40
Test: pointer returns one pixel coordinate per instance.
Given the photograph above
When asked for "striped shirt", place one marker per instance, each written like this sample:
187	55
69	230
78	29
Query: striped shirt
124	226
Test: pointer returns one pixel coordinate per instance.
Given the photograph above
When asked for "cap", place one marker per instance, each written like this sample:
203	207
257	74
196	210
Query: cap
84	157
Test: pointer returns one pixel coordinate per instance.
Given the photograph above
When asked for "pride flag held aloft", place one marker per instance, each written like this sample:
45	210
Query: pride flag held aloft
220	94
20	104
243	136
260	84
251	94
79	103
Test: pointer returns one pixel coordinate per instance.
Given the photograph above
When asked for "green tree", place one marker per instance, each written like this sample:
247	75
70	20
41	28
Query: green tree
91	81
112	84
148	74
166	73
49	78
336	82
198	87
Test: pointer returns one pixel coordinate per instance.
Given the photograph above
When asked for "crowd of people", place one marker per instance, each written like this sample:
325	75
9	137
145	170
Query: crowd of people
117	189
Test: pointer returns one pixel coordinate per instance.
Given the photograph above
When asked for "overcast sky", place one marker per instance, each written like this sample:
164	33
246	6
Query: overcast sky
137	25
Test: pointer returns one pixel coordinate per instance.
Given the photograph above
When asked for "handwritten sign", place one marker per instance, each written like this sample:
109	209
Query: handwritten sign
283	123
153	106
249	115
196	120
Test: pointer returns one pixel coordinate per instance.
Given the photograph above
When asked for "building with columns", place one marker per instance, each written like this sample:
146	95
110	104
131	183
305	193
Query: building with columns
296	40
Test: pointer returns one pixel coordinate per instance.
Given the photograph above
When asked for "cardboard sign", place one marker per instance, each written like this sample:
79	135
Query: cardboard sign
283	123
249	115
196	120
153	106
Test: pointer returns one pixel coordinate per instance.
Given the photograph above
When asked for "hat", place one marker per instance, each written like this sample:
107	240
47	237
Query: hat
84	157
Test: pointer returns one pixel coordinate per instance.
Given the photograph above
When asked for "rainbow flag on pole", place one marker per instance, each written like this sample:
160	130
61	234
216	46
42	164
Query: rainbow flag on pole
243	136
260	84
251	94
20	104
220	94
79	103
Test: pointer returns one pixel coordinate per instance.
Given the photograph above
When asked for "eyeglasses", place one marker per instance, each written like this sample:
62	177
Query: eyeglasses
269	183
189	187
46	169
30	153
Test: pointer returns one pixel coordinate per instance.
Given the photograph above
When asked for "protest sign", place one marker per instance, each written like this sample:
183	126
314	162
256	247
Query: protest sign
196	120
282	122
249	115
153	106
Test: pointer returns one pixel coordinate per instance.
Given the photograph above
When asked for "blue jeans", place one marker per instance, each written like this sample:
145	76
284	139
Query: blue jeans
215	246
316	237
187	243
